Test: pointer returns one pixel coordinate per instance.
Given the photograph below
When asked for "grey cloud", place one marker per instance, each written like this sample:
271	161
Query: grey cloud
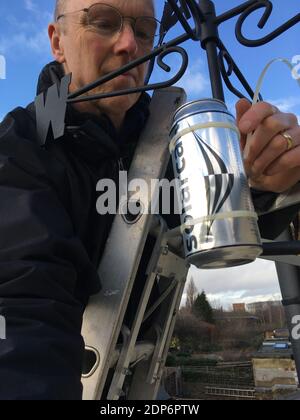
252	282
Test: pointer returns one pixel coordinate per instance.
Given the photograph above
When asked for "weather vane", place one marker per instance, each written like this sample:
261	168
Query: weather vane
200	24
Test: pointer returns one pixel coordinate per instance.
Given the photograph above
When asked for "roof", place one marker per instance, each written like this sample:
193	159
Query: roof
236	317
274	352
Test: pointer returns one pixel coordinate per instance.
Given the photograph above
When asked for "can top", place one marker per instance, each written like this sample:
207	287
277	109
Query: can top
199	107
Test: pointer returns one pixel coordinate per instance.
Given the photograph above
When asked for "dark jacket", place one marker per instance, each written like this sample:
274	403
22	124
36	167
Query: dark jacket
51	241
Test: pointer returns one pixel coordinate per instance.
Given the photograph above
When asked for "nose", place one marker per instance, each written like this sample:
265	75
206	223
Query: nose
126	42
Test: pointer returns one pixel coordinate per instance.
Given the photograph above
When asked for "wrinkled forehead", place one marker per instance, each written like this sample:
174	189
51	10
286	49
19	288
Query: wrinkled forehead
126	7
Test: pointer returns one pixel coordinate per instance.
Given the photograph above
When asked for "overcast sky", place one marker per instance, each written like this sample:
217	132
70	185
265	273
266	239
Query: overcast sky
25	48
250	283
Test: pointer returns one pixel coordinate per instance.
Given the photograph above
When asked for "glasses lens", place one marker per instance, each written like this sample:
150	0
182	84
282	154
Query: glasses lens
147	29
105	19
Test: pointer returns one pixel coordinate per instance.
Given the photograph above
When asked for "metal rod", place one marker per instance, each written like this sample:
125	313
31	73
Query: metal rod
214	71
281	248
235	12
289	281
268	38
156	52
209	42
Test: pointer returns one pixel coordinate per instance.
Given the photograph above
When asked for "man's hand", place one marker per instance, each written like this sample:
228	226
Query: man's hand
269	163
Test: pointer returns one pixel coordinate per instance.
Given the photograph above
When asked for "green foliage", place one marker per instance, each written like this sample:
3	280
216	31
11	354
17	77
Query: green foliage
210	348
196	362
171	361
202	309
190	377
182	354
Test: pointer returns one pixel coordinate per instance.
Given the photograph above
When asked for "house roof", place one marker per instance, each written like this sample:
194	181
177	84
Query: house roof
272	352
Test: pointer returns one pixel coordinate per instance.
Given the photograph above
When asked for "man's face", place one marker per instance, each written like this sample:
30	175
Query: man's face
88	55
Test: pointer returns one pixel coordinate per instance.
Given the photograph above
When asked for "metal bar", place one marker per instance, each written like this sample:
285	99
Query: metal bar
149	372
129	344
209	42
229	392
289	281
156	52
268	38
154	86
159	301
214	71
144	348
109	306
290	260
234	12
281	248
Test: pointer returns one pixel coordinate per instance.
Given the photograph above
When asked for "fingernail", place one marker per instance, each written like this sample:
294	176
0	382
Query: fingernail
245	126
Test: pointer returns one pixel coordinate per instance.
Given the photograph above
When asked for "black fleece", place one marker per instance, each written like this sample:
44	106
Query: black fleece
51	241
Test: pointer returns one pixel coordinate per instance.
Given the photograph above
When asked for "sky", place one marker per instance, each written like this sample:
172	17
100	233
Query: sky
24	50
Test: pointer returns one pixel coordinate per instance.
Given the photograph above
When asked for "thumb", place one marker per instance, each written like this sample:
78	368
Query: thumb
242	107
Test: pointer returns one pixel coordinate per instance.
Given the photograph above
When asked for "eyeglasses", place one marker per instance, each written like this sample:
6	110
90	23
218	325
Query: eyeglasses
108	21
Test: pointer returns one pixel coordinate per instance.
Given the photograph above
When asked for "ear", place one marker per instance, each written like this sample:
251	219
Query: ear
55	36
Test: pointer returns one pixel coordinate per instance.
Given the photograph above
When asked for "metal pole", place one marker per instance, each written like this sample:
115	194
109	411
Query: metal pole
289	280
209	39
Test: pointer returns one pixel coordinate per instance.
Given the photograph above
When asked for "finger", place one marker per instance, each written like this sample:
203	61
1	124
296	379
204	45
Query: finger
242	107
255	115
277	183
276	148
265	137
288	160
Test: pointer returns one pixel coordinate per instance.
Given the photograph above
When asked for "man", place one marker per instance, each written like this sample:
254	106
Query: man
51	238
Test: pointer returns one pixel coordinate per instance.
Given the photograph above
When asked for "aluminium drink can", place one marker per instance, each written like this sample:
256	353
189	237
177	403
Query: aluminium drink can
219	223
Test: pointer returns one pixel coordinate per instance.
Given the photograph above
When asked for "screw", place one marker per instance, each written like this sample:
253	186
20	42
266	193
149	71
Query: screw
165	250
127	372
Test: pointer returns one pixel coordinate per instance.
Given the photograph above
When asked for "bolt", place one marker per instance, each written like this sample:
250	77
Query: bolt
165	250
127	372
120	393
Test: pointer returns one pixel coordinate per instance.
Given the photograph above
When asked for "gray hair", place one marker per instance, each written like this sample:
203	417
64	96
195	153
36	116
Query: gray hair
60	5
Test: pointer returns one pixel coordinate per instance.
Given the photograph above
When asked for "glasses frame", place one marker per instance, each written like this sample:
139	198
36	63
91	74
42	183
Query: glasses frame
86	10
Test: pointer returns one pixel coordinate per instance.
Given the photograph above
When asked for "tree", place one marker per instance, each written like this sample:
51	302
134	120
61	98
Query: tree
192	293
192	332
202	309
